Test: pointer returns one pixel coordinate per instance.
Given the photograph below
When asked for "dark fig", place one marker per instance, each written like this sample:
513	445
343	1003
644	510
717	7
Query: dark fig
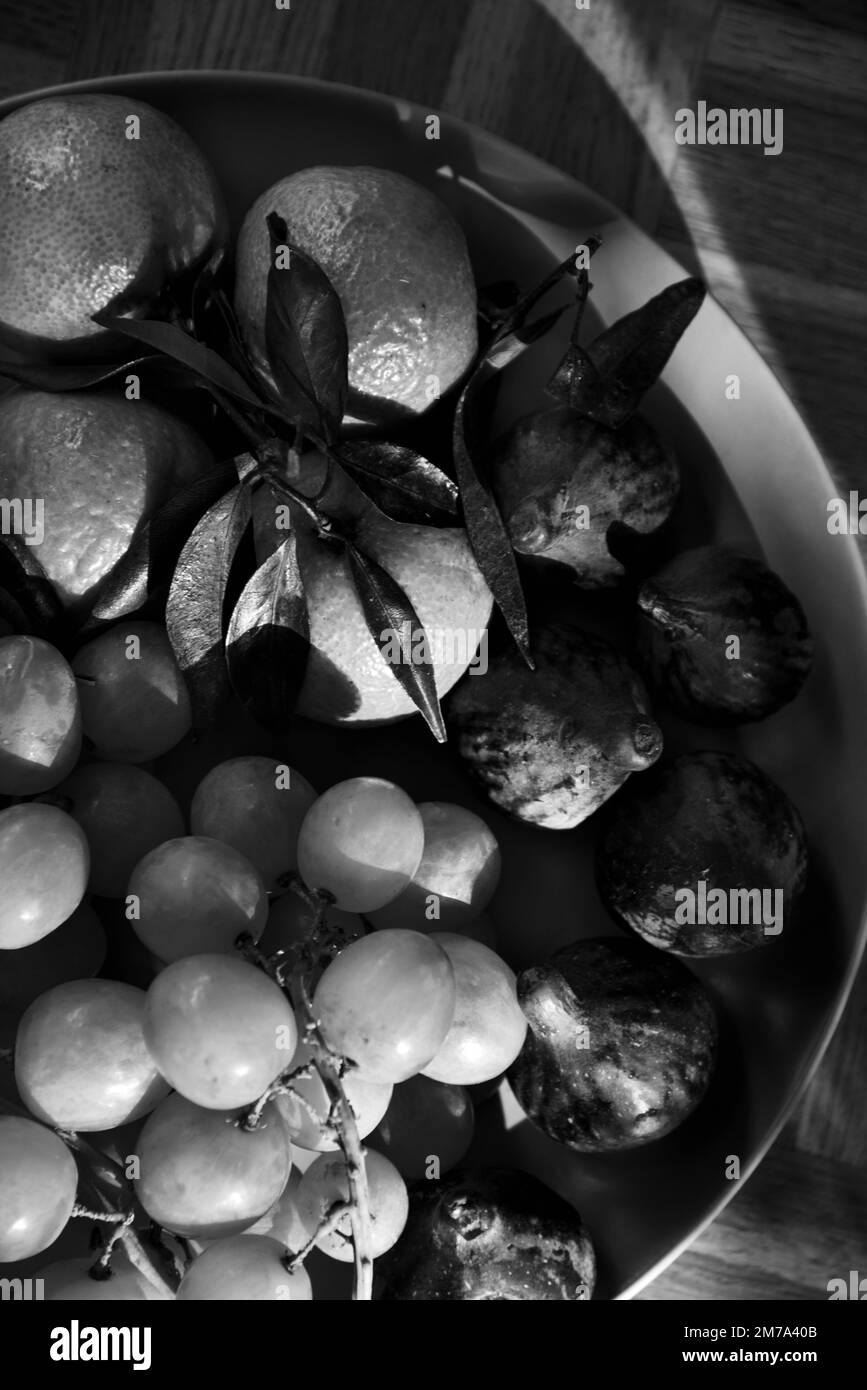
562	482
706	857
620	1047
549	746
721	637
492	1235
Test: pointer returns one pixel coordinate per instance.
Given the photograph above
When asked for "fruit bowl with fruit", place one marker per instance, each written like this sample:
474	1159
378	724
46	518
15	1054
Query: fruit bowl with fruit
430	735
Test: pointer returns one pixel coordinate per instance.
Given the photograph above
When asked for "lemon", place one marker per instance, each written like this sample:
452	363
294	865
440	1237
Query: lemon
348	681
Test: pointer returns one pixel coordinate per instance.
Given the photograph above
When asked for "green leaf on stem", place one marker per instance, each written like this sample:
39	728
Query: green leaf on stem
74	376
305	336
194	612
28	599
167	338
402	484
267	645
486	529
391	619
630	355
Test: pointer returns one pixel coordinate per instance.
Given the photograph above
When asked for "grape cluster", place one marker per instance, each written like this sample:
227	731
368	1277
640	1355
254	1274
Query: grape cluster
320	973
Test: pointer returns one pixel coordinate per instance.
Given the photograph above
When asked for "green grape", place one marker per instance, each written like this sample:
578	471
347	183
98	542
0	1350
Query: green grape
38	1179
134	703
489	1025
124	812
44	863
427	1127
457	876
368	1102
219	1030
194	895
244	1267
40	717
257	806
387	1002
80	1057
361	841
326	1182
282	1220
73	951
202	1175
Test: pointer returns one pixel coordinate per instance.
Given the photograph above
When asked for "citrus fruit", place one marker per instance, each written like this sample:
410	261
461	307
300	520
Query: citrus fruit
350	677
101	197
399	263
100	464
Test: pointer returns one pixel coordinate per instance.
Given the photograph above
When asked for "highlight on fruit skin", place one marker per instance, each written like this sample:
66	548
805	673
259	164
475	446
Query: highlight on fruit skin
81	1062
549	746
400	265
560	491
101	465
620	1047
102	198
488	1235
706	857
37	1193
721	638
40	716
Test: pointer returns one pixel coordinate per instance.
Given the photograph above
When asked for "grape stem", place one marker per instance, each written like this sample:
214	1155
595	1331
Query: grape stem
79	1210
330	1221
330	1067
282	1086
105	1176
343	1120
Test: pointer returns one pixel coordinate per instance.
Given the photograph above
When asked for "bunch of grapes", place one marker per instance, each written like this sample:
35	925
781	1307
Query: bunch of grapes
321	974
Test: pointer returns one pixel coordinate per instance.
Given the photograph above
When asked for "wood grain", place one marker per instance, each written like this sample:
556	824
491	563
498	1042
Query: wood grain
781	241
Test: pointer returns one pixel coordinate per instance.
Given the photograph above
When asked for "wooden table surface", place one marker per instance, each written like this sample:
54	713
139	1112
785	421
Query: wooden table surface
780	240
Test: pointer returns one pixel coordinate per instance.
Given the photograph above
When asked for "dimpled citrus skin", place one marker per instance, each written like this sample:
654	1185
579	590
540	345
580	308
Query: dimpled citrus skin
398	261
88	214
99	463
